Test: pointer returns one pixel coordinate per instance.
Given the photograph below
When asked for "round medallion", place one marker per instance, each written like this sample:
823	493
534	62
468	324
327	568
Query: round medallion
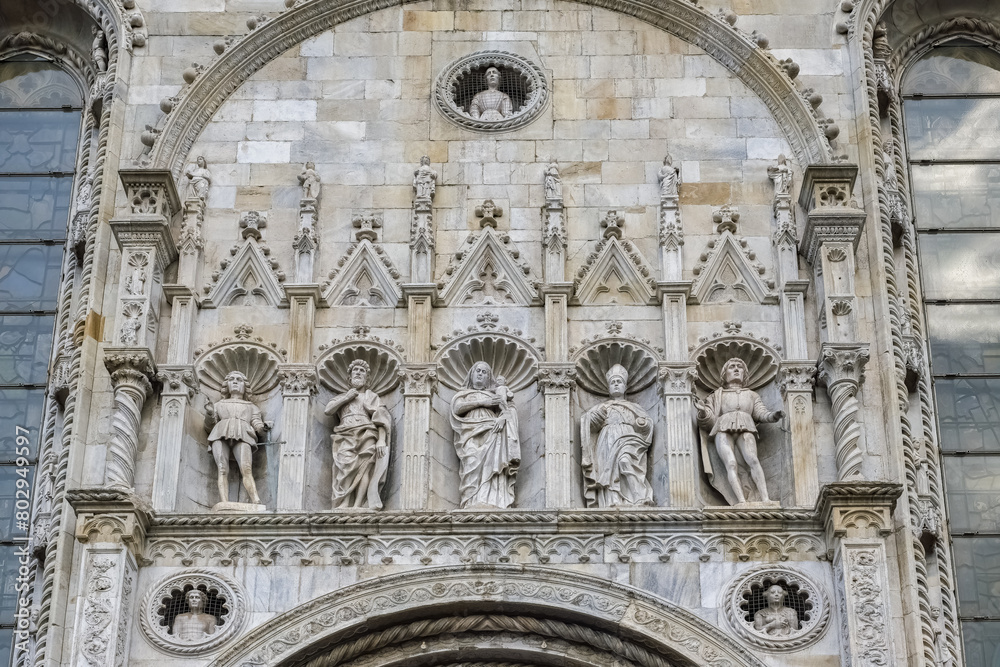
192	612
491	91
776	609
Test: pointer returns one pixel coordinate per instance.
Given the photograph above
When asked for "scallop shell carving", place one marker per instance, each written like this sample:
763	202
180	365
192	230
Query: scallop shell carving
593	363
258	362
384	367
508	357
761	361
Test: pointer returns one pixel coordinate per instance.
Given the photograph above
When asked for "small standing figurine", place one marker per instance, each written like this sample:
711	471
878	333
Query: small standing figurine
195	624
776	619
491	104
616	436
489	451
669	177
553	182
237	423
199	179
781	175
424	180
97	51
360	442
310	182
730	414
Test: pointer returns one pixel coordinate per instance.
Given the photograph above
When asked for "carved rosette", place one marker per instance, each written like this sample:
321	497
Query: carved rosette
131	371
841	369
814	618
233	612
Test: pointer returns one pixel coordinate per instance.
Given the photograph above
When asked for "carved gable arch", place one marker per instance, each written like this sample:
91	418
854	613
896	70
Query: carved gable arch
247	279
366	277
616	274
488	272
595	621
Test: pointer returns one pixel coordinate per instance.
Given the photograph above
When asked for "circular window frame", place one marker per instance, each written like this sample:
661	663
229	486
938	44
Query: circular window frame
809	631
149	617
536	102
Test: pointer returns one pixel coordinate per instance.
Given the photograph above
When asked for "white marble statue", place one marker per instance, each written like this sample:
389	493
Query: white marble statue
730	415
776	619
669	177
97	51
616	436
491	104
236	425
310	181
199	179
489	451
553	182
195	624
781	175
360	442
424	180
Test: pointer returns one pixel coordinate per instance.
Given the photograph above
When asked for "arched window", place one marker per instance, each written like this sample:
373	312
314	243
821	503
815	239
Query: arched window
40	115
951	111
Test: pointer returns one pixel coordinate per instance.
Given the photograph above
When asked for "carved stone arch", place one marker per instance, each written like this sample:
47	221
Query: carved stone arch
508	355
257	360
384	363
518	608
711	355
595	359
752	65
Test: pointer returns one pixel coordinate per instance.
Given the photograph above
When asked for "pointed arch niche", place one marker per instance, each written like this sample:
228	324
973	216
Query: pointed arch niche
532	617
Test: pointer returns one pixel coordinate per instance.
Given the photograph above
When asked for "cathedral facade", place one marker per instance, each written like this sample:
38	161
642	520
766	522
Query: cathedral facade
494	333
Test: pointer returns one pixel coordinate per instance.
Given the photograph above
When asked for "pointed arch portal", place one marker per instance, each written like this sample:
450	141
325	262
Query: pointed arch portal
487	615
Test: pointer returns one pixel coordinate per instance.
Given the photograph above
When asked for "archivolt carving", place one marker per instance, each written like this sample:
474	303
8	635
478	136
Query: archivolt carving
598	354
249	355
712	353
383	356
743	56
543	597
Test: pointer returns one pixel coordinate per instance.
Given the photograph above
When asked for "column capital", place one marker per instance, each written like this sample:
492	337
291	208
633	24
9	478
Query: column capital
419	379
797	376
833	214
857	509
843	362
297	379
178	380
130	365
675	378
556	377
111	516
150	232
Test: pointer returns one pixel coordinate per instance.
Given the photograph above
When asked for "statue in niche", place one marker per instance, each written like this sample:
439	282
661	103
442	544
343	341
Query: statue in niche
236	425
424	180
199	179
360	442
310	182
97	50
781	175
491	104
489	451
669	177
776	620
195	624
730	415
553	182
616	436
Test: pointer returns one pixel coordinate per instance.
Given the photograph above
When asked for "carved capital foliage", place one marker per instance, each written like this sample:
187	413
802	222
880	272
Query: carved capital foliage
130	367
556	377
110	516
419	380
177	379
298	379
843	363
797	377
676	378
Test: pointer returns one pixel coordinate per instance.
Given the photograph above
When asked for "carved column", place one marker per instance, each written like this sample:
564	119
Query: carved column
422	224
671	238
786	242
418	385
131	370
858	520
178	389
112	532
842	370
554	227
557	380
298	385
305	242
797	381
681	435
302	302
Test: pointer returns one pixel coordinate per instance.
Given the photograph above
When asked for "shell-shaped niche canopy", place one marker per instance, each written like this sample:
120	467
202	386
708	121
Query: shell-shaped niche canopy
251	356
594	361
508	356
383	363
761	359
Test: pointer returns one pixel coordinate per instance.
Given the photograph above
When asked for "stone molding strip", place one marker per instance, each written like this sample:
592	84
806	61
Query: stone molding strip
751	64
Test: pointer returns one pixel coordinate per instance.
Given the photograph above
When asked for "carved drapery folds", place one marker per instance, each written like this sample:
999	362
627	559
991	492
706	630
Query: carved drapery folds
841	370
131	373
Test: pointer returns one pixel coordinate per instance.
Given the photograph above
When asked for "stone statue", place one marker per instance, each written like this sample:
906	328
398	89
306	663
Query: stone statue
553	182
195	624
781	175
199	179
730	415
310	182
776	619
889	164
669	177
616	436
489	451
491	104
360	442
236	423
97	50
424	180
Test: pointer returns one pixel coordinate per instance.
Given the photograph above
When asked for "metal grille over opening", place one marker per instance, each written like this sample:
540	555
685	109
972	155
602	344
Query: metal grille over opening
755	599
193	612
491	91
176	604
